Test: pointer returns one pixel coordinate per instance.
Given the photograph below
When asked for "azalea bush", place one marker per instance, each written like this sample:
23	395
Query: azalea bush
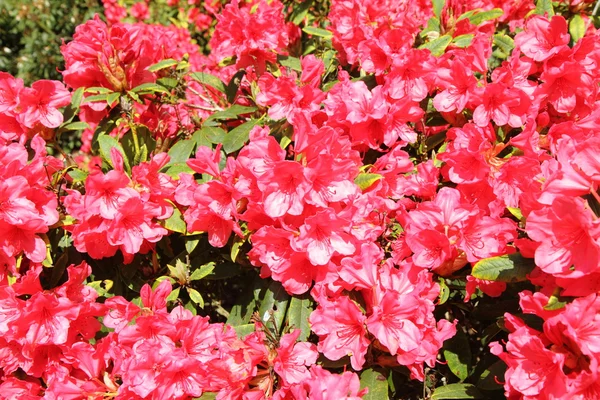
315	199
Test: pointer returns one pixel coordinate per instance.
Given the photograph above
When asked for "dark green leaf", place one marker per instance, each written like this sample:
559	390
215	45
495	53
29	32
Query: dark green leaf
457	353
210	80
488	380
506	268
274	301
297	316
233	85
437	46
224	271
300	11
377	384
169	62
235	139
209	135
181	151
246	303
456	391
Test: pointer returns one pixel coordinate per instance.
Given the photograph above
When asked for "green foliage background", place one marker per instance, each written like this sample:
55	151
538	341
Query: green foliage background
31	32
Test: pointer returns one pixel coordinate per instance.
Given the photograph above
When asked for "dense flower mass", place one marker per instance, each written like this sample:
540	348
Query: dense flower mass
306	200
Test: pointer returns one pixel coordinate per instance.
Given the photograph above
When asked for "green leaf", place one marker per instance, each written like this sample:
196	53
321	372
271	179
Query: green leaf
209	80
274	300
463	40
174	295
300	10
235	139
506	268
146	142
195	296
290	62
175	222
311	30
555	303
297	316
438	6
209	135
191	244
78	175
456	391
437	46
167	82
433	25
457	353
181	151
224	271
232	112
75	126
243	330
174	170
444	291
377	384
544	6
96	97
247	301
106	143
207	396
577	27
480	17
489	378
73	108
365	180
149	87
504	42
98	90
169	62
112	99
202	272
102	287
233	85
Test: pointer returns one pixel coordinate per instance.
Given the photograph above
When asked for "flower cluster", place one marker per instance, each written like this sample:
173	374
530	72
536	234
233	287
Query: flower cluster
382	169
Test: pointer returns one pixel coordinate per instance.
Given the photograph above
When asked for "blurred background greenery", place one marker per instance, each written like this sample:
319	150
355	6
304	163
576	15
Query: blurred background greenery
31	32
